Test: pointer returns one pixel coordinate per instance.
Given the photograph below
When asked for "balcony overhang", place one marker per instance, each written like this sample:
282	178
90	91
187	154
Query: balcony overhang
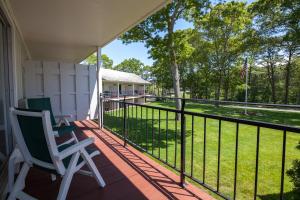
70	30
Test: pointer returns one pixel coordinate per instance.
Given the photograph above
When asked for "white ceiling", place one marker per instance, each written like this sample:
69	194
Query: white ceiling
70	30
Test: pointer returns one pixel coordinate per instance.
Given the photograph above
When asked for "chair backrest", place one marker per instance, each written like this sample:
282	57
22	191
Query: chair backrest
33	133
43	103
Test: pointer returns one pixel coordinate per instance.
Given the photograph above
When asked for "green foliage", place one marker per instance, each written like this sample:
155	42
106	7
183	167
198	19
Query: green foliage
167	47
131	65
106	61
210	57
294	174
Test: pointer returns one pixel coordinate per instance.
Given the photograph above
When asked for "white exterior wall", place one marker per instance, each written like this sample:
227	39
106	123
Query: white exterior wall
71	87
110	87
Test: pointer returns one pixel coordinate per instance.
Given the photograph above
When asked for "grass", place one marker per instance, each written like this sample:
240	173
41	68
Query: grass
142	130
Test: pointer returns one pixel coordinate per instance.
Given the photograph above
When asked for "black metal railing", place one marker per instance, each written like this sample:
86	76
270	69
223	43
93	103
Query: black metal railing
191	146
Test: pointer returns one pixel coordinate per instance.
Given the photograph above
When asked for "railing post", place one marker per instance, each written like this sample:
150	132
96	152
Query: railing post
101	111
124	122
182	156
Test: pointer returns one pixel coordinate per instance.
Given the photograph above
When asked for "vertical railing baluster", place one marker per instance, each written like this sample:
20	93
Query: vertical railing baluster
132	125
141	127
119	115
182	139
256	161
167	121
136	125
128	123
219	155
204	150
147	129
152	131
236	159
124	124
192	147
175	159
283	166
159	133
101	112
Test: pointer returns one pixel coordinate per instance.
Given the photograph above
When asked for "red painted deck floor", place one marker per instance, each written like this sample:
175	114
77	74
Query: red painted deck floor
128	174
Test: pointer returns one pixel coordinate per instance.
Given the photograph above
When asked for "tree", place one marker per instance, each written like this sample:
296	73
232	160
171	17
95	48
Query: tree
278	22
158	34
131	65
224	29
107	63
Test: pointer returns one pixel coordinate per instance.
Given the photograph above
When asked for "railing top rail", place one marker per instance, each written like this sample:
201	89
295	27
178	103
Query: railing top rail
218	117
154	107
232	102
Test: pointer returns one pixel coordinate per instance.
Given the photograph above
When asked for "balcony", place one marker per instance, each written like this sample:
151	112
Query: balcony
129	174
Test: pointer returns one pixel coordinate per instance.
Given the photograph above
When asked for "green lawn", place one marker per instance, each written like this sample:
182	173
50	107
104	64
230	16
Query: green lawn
141	131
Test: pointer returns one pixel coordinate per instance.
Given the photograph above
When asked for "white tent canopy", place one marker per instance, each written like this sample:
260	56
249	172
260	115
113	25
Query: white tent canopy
70	30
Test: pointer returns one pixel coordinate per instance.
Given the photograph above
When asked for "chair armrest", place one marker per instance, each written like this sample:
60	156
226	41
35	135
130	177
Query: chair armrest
74	148
66	142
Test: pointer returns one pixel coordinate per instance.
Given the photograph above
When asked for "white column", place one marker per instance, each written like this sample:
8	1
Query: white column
144	89
118	92
99	86
132	89
118	89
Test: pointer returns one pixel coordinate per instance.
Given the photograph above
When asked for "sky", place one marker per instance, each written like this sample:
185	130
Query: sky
118	51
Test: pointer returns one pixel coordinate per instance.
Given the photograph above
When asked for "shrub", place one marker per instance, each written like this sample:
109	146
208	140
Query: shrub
294	174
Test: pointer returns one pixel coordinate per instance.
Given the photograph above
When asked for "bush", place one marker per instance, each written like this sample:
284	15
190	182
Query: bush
294	174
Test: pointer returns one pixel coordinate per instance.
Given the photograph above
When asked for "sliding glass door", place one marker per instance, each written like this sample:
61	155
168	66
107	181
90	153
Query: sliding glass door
5	91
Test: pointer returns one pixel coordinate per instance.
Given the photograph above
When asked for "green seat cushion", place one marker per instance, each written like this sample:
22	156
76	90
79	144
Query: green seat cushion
62	130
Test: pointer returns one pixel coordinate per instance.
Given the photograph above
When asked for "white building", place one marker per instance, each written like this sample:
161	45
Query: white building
117	84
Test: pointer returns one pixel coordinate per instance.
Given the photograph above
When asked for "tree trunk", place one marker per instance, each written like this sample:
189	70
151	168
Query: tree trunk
226	84
175	76
287	78
273	84
218	92
271	76
174	65
272	81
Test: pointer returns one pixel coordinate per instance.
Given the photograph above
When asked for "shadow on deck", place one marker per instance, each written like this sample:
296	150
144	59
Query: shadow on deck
128	173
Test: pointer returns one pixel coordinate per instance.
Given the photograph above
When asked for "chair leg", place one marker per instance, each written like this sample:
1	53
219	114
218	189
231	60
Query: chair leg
67	178
14	160
90	163
20	182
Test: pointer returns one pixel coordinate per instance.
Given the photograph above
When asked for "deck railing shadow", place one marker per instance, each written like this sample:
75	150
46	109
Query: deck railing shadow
155	176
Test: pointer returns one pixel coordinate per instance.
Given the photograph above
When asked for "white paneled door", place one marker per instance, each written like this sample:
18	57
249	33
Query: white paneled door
71	87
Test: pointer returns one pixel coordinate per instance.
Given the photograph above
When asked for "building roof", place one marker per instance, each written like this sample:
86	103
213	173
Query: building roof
122	77
71	30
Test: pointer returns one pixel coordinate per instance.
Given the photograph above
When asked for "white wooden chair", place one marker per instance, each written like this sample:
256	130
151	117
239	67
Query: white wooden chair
36	146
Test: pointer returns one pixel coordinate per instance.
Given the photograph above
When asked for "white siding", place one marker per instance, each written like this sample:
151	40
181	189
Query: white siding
71	87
